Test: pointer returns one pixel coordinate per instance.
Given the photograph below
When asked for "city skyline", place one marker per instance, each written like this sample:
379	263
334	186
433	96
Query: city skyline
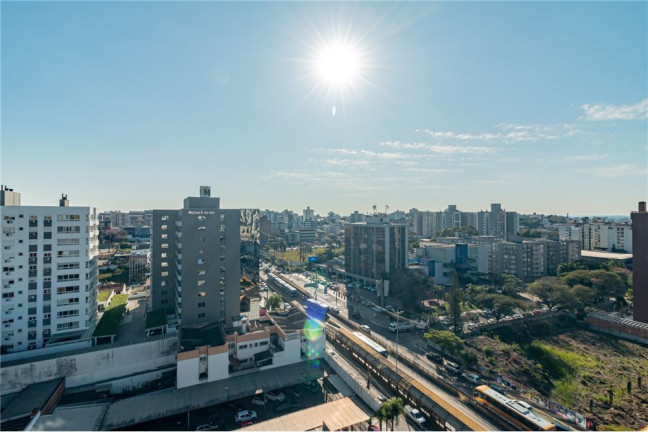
542	107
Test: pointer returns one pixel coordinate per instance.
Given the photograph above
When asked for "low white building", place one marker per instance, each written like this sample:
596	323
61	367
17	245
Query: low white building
207	354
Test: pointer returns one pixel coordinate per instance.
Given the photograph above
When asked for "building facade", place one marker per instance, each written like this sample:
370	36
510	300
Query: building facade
195	262
375	247
49	274
640	263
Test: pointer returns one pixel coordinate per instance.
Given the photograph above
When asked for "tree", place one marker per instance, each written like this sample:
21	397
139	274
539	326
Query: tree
605	283
455	305
391	409
511	284
553	291
579	297
274	301
382	415
505	305
446	340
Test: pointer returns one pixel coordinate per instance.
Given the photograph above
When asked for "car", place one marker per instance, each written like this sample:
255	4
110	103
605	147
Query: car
491	321
247	423
259	400
294	393
206	427
471	378
245	415
414	414
356	315
516	316
287	407
381	398
497	388
434	357
471	326
275	396
390	308
374	427
335	309
377	309
365	328
451	367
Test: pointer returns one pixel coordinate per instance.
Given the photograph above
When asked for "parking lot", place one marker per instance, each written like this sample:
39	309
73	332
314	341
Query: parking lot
222	417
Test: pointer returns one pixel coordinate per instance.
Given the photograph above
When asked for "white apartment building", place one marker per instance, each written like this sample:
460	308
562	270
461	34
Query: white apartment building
569	232
606	236
49	273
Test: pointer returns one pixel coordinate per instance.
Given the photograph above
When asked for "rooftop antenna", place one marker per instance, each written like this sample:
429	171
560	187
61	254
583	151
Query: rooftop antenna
375	209
386	208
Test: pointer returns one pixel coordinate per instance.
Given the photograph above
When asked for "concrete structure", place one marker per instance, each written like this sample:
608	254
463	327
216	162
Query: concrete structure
606	236
375	247
308	214
119	366
640	263
569	232
138	263
49	273
195	262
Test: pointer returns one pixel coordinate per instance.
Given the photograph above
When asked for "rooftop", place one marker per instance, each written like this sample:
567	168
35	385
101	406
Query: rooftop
202	335
72	418
605	255
156	318
293	320
337	415
34	396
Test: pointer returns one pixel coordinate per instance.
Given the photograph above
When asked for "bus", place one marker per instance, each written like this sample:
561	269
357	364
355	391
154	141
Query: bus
517	413
291	291
316	310
378	348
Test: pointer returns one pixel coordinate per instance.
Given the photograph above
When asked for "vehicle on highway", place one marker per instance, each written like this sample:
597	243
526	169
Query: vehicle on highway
244	415
414	414
434	357
377	309
275	396
390	308
259	400
356	315
334	309
451	367
404	326
517	413
373	344
207	427
365	328
471	378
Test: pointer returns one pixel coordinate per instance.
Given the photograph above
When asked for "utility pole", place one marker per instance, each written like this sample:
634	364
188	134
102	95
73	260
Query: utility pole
397	320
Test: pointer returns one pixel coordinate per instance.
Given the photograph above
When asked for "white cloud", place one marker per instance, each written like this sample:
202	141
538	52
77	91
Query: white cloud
511	133
346	162
617	171
599	112
439	149
591	157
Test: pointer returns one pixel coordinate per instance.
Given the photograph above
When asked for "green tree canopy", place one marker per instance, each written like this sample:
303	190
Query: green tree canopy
553	291
445	340
274	301
605	283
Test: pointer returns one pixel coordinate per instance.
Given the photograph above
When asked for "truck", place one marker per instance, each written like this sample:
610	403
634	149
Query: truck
404	326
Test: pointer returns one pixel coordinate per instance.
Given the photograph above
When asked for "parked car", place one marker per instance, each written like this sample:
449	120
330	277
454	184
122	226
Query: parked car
244	415
491	321
275	396
356	315
207	427
471	378
414	414
365	328
434	357
247	423
451	367
390	308
294	392
497	388
335	309
259	400
374	427
516	316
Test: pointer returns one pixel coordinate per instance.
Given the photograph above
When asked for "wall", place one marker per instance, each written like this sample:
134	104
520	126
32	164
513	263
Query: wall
187	372
358	388
104	363
623	328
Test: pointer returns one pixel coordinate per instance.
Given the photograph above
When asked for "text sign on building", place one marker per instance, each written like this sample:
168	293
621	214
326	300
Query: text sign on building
201	212
312	259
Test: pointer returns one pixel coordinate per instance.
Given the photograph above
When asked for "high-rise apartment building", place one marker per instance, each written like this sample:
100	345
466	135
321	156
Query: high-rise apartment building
640	263
196	261
606	236
497	220
309	213
49	273
375	247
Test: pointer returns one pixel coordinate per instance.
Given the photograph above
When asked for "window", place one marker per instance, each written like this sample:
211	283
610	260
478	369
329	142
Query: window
263	343
166	273
201	315
201	283
201	294
202	218
163	283
164	227
222	217
201	261
222	228
201	304
67	289
202	228
201	250
67	242
68	253
68	229
164	218
165	245
165	264
243	346
165	236
201	239
201	272
68	218
70	277
67	266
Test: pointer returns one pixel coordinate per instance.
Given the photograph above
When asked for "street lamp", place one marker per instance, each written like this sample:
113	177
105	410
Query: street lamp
397	329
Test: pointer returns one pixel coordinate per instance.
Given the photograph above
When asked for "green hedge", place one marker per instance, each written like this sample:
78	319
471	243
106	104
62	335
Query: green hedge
110	320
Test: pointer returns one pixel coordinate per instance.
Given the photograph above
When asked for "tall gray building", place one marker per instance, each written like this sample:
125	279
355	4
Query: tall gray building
196	261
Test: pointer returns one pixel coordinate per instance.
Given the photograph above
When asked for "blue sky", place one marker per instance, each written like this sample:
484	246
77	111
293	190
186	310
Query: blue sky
540	106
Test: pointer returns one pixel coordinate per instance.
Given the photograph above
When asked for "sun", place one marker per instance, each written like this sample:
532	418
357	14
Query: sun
337	64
